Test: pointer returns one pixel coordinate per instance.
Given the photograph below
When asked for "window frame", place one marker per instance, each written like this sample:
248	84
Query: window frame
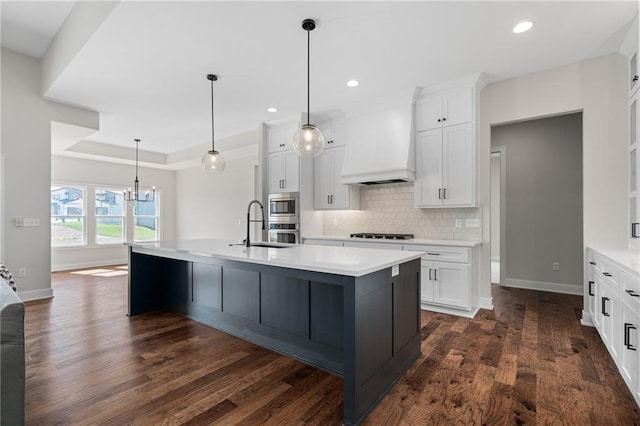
82	217
97	217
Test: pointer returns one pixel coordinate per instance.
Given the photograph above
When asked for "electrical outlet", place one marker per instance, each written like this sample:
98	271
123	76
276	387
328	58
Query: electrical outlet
22	272
458	223
556	266
473	223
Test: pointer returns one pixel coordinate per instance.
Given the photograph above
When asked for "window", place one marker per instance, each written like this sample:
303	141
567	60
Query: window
109	212
67	216
145	220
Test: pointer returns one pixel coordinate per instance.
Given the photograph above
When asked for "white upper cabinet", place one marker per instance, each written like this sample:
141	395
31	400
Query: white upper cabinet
444	167
284	170
329	193
334	132
281	138
447	109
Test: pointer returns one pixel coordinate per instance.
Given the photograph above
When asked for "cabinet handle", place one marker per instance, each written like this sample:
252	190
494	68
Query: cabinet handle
439	193
635	78
591	293
332	199
429	274
439	120
444	119
444	193
433	254
435	274
604	306
328	200
627	343
606	274
632	293
592	263
634	230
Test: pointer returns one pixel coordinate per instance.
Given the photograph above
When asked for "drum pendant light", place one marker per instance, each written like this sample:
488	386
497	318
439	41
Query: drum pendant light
212	161
308	140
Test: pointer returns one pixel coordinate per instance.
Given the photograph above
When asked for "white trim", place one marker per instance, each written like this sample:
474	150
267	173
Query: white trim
587	320
448	310
543	286
83	265
45	293
495	258
486	303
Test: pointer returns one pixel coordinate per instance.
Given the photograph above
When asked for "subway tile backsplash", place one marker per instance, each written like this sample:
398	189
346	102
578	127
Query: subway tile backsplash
389	208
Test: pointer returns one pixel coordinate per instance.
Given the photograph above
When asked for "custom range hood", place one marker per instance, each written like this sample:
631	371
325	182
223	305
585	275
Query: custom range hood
380	146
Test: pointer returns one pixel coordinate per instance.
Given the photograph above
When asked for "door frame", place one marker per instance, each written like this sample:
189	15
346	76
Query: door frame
502	150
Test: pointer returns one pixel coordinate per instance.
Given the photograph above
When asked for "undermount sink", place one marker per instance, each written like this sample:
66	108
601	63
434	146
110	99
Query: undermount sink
269	245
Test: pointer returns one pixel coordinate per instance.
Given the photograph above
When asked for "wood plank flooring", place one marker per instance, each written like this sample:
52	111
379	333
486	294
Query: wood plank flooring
527	362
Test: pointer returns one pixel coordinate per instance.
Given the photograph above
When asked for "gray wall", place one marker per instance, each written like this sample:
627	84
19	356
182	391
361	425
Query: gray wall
543	201
495	207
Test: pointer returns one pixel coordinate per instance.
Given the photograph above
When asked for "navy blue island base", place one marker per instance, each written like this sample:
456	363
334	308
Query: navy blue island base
365	329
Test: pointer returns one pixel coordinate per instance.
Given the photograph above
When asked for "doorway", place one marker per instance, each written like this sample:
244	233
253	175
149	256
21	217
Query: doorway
539	236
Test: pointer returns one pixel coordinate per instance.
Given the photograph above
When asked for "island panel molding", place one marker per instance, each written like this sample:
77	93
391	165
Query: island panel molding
363	327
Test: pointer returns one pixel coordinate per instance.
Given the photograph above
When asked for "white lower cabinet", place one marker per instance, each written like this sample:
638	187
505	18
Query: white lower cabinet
446	283
613	302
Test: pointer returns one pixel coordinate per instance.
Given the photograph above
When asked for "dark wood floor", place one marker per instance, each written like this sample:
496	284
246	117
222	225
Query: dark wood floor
527	362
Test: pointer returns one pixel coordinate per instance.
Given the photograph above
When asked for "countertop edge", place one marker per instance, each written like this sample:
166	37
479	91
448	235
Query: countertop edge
417	241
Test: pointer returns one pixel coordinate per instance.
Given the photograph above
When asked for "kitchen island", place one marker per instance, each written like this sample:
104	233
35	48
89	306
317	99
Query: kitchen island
353	312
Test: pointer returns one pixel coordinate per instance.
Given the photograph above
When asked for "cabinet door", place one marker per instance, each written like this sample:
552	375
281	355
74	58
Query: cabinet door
428	184
275	172
277	138
458	167
451	284
633	71
629	357
339	136
426	283
322	179
457	107
291	171
341	193
429	113
591	297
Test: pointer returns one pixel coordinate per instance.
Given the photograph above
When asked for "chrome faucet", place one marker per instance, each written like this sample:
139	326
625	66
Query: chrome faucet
249	220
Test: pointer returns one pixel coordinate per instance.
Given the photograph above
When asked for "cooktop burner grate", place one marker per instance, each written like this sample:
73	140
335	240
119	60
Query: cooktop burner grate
382	236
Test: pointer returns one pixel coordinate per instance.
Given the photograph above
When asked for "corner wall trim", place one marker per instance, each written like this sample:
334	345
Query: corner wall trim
587	320
486	303
26	296
544	286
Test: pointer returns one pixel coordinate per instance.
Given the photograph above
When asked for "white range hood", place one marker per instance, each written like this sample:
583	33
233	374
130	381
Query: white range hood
380	146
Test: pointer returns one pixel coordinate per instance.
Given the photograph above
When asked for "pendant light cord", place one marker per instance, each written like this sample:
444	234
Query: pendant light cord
308	73
137	142
213	149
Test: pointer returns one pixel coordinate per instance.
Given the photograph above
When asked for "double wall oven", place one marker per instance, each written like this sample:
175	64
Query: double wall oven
284	218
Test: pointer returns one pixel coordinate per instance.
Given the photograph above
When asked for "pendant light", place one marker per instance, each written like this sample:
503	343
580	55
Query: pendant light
212	161
308	140
135	195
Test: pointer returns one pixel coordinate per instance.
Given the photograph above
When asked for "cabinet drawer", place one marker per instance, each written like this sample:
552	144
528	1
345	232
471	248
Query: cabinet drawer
630	286
323	242
442	253
594	262
610	274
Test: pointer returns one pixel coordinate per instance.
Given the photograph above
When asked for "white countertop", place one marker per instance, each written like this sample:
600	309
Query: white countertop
626	257
414	241
348	261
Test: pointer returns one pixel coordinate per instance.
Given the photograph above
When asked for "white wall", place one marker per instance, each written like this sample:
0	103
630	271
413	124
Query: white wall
26	146
215	205
88	172
597	87
495	207
543	202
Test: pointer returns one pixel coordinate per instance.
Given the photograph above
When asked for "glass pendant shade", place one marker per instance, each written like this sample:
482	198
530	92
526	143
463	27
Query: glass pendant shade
212	162
308	141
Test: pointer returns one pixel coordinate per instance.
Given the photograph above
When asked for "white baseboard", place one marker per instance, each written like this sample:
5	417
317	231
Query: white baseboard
26	296
83	265
486	303
543	286
449	311
587	320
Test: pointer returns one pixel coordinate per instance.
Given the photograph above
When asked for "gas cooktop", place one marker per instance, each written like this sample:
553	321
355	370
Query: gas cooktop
383	236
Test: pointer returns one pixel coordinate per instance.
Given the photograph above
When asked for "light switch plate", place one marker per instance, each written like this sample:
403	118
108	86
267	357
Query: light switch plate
31	221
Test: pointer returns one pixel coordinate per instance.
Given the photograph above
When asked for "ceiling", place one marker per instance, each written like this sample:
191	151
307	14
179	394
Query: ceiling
143	66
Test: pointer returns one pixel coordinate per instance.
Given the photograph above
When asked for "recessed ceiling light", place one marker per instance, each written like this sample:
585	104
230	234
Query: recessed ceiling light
272	109
353	83
522	27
